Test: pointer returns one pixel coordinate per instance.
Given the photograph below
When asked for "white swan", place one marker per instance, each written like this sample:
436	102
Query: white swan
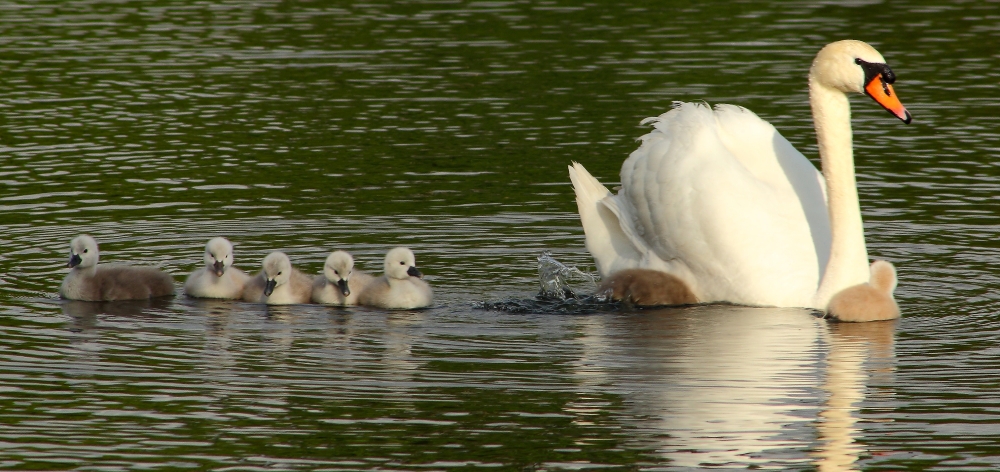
278	283
723	202
91	281
339	284
400	287
218	279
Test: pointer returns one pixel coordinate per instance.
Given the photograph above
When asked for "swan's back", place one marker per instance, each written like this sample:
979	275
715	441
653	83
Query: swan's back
720	194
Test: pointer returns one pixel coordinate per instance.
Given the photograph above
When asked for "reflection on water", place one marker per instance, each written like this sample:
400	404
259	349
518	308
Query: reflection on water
721	385
852	346
729	387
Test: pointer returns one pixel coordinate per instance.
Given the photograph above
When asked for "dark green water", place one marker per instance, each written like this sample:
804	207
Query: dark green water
447	127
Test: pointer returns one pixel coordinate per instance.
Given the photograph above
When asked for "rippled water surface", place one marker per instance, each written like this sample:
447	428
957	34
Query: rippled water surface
447	126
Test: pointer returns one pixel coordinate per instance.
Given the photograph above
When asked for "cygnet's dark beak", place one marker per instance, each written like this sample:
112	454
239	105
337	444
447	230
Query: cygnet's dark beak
74	260
413	272
269	287
342	283
220	268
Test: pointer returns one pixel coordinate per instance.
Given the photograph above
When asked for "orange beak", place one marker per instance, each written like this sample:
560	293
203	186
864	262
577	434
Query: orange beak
882	93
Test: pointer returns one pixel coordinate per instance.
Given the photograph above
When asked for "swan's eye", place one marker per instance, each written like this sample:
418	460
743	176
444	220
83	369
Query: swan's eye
335	272
86	250
402	263
279	273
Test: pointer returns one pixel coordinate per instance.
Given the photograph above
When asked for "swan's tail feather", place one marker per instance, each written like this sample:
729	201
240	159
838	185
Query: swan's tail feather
610	246
587	188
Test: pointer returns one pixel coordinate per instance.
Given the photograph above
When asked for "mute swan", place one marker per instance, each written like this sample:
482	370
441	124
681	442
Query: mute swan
218	279
720	200
870	301
278	283
339	284
109	282
644	287
400	287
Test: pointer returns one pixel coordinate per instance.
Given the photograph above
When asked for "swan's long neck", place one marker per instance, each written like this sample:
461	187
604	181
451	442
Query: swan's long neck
848	263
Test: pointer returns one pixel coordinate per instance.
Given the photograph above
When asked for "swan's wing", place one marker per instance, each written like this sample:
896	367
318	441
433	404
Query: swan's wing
612	249
726	195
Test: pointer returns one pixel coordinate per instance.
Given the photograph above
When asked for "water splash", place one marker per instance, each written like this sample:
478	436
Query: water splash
561	282
562	290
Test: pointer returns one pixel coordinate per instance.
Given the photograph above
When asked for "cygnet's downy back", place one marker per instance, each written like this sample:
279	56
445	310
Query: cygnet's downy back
91	281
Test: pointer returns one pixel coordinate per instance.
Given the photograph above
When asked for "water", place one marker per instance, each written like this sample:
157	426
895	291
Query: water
447	127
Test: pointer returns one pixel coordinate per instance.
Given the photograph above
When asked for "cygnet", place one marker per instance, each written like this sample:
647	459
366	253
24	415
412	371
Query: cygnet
872	301
278	283
644	287
400	287
108	282
339	284
218	279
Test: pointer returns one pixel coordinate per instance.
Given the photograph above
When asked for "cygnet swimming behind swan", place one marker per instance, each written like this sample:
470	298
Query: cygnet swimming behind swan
108	282
644	287
278	283
339	284
218	279
870	301
400	287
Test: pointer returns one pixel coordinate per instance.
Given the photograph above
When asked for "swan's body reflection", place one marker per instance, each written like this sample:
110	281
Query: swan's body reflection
728	386
852	345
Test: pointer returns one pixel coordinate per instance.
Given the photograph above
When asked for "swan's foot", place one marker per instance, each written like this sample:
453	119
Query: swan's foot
871	301
644	287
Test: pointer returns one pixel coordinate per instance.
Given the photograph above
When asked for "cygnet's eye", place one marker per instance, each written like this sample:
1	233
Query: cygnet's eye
402	263
279	273
86	250
335	272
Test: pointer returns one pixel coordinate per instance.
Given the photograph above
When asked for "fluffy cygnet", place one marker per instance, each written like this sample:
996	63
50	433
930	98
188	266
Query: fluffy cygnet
339	284
218	279
872	301
644	287
278	283
400	287
108	282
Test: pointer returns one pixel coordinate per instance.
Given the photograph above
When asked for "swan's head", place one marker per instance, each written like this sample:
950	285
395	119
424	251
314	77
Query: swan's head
218	255
854	66
277	270
338	268
401	264
83	252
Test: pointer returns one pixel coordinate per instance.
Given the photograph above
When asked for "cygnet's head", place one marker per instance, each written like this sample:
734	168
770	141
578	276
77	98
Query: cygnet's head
218	255
277	271
854	66
401	264
338	268
883	277
83	252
